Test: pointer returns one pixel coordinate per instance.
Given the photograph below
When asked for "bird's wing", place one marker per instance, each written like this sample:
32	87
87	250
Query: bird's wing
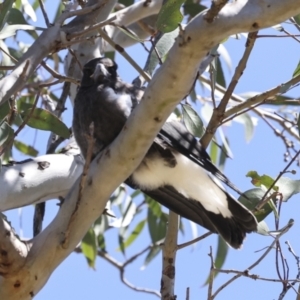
175	135
175	173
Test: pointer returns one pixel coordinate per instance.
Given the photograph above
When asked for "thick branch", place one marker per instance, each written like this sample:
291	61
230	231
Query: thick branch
169	85
38	179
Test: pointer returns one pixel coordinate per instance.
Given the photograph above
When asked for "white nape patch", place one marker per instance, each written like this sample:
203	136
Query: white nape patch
187	178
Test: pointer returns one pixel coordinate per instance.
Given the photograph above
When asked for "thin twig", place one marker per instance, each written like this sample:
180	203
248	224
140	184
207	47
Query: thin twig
211	275
58	76
262	97
219	112
122	51
279	176
202	237
44	13
252	276
88	9
121	267
90	29
283	231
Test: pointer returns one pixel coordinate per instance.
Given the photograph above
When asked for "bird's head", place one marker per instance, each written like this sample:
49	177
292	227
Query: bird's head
99	70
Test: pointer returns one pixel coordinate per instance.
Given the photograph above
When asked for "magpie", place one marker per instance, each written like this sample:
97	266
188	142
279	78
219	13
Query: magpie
176	171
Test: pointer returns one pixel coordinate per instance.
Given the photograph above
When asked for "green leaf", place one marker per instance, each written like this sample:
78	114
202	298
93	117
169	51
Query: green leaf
263	229
5	7
192	121
4	110
223	156
297	19
11	30
44	120
161	49
297	70
131	34
157	226
6	133
29	11
213	152
220	78
169	16
192	8
253	197
16	17
288	187
121	238
26	149
247	121
154	206
101	242
89	247
129	213
221	253
151	254
126	2
264	180
134	234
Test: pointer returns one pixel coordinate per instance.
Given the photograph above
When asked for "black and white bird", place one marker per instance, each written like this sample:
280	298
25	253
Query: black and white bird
176	171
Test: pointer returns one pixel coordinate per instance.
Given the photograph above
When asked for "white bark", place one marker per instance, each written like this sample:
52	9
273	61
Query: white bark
39	179
169	85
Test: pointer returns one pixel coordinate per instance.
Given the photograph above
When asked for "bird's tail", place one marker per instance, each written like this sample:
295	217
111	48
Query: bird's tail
233	229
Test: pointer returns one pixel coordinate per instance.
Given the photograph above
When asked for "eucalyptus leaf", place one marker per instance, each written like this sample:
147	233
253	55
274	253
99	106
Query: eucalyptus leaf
297	19
6	133
11	30
128	214
192	8
162	47
4	11
4	110
157	226
247	121
134	234
288	187
297	70
264	180
251	198
151	255
16	17
89	247
26	149
192	121
263	229
44	120
29	11
169	16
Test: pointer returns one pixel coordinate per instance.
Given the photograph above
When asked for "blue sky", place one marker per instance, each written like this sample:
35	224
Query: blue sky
272	62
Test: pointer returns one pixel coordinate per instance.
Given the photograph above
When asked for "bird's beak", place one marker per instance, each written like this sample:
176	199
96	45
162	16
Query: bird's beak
99	73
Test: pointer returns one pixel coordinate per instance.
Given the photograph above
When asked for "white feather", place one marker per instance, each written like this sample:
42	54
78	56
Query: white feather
187	178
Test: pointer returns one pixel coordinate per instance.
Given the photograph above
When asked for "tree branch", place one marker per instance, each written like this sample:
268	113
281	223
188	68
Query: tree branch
168	86
38	179
169	257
